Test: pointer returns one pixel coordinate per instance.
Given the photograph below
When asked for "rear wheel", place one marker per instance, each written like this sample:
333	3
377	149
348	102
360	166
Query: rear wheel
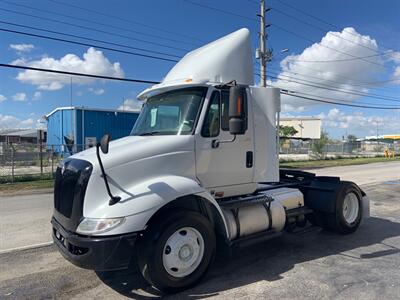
348	214
177	251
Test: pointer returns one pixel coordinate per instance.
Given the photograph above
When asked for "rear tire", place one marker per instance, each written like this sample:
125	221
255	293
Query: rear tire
176	251
348	214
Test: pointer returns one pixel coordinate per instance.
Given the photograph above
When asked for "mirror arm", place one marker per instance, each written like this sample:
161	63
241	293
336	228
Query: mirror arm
114	199
215	143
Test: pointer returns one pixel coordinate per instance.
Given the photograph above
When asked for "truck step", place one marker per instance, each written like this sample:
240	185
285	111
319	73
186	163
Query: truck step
254	238
290	213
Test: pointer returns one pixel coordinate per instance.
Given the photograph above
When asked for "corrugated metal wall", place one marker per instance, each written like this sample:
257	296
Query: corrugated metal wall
59	126
78	124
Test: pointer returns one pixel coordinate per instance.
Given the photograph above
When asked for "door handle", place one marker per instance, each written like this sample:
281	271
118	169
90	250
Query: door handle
249	159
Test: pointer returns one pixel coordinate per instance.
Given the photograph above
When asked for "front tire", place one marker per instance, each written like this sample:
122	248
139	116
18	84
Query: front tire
176	251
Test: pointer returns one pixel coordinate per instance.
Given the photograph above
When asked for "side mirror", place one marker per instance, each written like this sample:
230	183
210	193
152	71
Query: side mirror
105	140
237	110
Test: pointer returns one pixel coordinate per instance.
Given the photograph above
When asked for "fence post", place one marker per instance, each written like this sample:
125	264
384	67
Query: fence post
41	151
52	161
12	163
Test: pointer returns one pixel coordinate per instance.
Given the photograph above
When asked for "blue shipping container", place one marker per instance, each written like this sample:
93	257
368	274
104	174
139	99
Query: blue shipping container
72	129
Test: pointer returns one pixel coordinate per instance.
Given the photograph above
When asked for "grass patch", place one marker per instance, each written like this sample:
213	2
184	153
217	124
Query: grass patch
332	162
26	178
26	185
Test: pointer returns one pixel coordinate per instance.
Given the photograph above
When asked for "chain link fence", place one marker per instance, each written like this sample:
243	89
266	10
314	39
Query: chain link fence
304	150
19	162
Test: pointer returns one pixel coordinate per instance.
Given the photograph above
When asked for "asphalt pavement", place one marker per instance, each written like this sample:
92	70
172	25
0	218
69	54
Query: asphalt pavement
310	264
25	220
364	174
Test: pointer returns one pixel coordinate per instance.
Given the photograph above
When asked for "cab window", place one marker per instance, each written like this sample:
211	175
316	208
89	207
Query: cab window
212	120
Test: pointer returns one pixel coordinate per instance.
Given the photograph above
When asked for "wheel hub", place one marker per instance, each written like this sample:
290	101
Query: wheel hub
183	252
350	208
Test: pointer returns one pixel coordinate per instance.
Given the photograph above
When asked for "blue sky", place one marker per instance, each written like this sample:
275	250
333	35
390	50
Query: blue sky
180	26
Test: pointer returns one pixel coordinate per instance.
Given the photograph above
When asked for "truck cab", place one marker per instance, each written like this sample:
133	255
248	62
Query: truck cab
199	169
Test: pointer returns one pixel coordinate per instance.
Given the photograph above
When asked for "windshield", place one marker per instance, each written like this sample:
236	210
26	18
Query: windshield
171	113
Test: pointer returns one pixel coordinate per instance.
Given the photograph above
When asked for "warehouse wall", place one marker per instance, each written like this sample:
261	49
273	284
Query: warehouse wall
59	125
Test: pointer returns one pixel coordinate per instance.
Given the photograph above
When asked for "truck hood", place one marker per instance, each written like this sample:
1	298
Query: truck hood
134	164
131	148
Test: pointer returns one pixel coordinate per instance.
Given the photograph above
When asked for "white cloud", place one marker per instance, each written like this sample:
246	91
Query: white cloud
27	123
358	122
22	47
343	73
2	98
20	97
93	62
393	56
97	91
37	95
397	72
11	122
131	105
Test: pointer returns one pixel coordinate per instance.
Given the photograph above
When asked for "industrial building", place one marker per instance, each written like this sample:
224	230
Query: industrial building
73	129
307	127
22	136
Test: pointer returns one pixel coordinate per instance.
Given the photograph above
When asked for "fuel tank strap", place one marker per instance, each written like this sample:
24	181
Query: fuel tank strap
245	201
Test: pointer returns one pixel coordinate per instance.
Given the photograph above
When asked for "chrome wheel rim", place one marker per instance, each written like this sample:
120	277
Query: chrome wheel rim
350	208
183	252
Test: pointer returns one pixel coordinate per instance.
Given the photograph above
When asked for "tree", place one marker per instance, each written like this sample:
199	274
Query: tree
351	138
286	131
319	145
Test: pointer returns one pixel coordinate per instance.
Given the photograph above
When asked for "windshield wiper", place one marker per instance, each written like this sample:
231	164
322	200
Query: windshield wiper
150	133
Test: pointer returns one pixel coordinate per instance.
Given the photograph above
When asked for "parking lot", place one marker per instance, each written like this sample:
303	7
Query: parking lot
309	264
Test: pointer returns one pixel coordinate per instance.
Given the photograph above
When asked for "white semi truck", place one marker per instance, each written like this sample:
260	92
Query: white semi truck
200	168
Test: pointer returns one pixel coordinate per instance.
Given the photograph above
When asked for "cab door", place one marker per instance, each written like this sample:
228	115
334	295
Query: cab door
223	160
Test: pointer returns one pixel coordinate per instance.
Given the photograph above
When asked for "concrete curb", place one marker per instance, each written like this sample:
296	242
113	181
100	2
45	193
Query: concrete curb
29	247
27	192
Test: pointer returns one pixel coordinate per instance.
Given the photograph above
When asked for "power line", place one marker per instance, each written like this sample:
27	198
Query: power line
96	22
323	21
279	27
88	38
335	88
156	82
93	29
330	98
126	20
78	74
337	103
348	78
347	91
330	88
322	29
221	10
86	44
328	80
322	45
337	60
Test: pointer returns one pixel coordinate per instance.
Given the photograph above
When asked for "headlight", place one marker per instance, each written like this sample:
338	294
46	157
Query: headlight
90	226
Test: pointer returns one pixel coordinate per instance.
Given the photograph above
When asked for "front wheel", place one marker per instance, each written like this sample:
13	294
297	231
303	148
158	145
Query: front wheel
176	252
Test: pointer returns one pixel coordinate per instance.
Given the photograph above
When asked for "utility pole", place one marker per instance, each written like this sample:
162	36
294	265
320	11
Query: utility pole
262	50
